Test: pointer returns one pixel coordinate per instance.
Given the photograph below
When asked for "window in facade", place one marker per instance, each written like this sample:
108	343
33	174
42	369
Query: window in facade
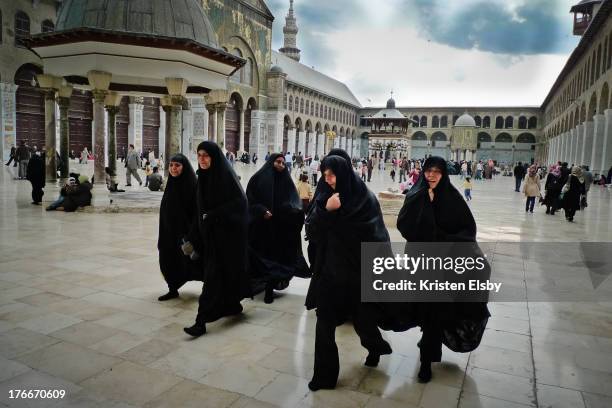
22	28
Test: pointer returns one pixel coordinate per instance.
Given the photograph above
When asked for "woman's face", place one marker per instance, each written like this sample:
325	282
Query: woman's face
204	160
330	178
433	175
175	169
279	164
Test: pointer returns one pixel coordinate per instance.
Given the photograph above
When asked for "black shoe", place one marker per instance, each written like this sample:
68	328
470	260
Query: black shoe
425	373
233	310
140	183
552	213
372	360
571	219
269	296
547	211
196	330
128	185
173	294
315	386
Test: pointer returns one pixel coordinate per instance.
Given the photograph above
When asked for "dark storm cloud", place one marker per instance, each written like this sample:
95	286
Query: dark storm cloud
537	27
315	18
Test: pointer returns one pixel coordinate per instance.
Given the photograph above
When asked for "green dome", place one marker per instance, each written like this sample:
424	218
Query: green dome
183	19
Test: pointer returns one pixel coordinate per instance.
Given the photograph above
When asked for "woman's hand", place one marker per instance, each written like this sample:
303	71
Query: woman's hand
333	202
431	194
267	215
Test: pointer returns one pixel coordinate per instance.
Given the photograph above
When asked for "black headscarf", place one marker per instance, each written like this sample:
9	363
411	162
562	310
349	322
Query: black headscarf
446	219
221	236
219	183
337	249
271	188
178	205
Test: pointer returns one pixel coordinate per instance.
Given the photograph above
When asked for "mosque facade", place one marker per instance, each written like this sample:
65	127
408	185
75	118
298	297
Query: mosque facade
273	102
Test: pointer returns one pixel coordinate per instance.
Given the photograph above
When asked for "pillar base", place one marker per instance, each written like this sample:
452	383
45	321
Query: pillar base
100	196
52	191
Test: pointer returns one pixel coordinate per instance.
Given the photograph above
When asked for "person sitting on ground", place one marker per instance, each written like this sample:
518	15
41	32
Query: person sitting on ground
77	197
156	180
71	185
112	187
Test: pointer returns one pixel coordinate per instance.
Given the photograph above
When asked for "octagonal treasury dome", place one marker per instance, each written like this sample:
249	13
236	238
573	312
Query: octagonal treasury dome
465	120
184	19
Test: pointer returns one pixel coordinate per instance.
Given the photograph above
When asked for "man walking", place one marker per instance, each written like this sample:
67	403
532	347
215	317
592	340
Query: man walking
519	175
132	164
370	167
23	157
12	157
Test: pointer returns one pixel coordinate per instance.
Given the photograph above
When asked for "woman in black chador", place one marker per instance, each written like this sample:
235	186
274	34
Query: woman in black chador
345	214
434	211
176	215
220	236
275	223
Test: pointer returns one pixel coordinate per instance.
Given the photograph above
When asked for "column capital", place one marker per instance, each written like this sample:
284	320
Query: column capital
99	80
221	106
49	93
99	95
211	108
8	87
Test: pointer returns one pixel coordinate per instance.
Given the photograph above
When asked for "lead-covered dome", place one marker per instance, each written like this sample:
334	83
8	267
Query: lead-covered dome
465	120
184	19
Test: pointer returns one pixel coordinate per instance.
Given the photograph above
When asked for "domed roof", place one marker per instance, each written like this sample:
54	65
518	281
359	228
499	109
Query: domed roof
391	103
277	69
184	19
465	120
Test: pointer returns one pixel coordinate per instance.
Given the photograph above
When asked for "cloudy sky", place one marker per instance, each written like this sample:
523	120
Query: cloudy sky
435	52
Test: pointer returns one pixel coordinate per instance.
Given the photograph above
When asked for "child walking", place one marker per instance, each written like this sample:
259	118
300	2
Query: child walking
467	188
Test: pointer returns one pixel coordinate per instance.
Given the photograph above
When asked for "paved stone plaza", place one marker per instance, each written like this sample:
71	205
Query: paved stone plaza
78	312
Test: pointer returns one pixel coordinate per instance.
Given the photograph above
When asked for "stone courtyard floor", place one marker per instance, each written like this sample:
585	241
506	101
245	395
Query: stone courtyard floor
78	312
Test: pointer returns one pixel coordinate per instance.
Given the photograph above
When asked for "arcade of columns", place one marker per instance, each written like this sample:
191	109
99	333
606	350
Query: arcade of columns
319	143
177	117
589	143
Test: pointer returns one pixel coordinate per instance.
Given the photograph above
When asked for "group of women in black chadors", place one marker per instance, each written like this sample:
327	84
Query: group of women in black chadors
240	244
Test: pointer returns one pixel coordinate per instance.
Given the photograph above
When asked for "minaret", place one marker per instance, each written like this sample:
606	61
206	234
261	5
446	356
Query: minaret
290	31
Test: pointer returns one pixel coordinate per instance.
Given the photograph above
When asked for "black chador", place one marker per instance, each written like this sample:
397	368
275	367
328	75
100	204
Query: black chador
176	216
220	236
275	224
338	229
438	213
321	187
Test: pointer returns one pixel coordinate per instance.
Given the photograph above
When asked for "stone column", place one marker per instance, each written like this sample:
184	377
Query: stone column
212	122
349	147
172	106
220	125
200	124
291	140
589	128
112	101
564	146
135	126
241	133
187	127
64	104
320	144
162	133
312	144
258	134
594	155
98	148
572	145
50	137
8	119
99	82
606	147
302	142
